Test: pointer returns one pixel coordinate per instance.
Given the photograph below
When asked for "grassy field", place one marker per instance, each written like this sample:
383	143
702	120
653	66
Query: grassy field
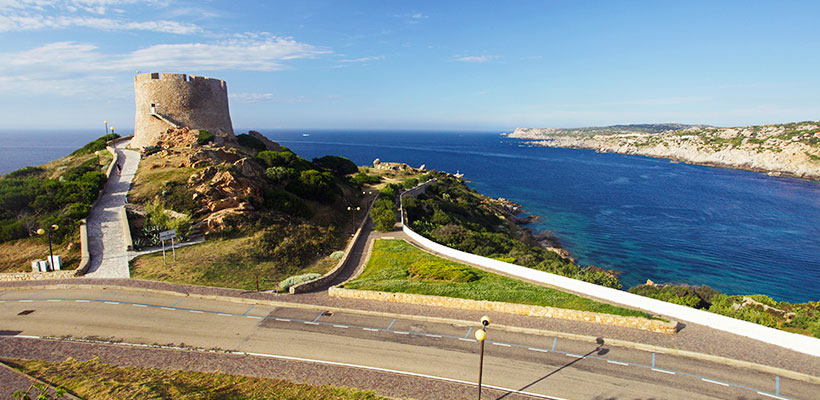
95	380
389	270
220	262
16	256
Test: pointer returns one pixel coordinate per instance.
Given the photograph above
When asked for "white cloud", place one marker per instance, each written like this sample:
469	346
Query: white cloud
476	59
361	59
26	15
69	68
262	97
412	18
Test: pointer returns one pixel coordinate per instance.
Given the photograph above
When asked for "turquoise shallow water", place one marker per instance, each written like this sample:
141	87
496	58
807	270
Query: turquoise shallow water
738	231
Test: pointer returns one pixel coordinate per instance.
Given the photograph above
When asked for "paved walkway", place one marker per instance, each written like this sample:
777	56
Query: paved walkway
109	256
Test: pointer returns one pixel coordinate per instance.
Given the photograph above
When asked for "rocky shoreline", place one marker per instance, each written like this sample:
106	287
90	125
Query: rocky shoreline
778	150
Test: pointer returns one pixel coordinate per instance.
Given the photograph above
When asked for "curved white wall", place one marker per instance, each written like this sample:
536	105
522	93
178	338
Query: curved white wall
793	341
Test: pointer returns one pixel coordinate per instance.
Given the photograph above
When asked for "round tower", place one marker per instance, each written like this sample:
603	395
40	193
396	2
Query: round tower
167	101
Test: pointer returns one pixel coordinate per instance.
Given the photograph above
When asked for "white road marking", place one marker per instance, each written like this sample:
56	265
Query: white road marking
310	323
502	344
432	336
82	301
26	301
253	316
54	300
771	395
664	371
573	355
282	319
224	315
466	340
534	349
139	305
196	311
371	329
401	333
616	362
111	302
715	382
167	308
340	326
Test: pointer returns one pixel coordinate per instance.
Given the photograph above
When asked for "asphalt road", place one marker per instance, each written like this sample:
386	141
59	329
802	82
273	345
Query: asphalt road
548	366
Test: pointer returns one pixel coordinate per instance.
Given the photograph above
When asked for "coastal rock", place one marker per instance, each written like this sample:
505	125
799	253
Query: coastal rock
269	144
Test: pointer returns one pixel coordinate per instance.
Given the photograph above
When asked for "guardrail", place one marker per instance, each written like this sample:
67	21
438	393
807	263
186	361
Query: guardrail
793	341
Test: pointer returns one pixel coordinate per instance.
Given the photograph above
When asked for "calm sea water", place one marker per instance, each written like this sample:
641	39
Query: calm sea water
738	231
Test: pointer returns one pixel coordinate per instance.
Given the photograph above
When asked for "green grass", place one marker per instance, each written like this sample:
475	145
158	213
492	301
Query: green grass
388	270
94	380
220	262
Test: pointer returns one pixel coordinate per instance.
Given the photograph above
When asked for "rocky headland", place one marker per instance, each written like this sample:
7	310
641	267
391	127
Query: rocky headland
779	149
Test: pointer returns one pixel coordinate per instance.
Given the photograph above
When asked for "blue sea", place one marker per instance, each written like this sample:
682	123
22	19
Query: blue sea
738	231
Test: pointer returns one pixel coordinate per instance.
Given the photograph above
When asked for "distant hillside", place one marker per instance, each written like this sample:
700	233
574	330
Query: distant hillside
778	149
543	133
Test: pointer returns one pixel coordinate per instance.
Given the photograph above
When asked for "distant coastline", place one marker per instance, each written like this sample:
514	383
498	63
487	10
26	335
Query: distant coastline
778	150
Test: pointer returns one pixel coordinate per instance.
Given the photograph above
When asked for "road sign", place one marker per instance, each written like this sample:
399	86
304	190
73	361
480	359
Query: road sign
165	235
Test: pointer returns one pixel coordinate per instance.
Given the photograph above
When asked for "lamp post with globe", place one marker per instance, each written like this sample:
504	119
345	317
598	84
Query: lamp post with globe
42	231
480	335
106	127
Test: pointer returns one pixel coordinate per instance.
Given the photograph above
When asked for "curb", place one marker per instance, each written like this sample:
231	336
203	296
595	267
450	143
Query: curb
531	331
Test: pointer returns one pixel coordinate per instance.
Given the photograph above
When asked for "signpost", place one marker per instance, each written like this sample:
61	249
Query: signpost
165	235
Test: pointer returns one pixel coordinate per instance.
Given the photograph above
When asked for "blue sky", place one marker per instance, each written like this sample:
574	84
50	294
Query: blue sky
472	65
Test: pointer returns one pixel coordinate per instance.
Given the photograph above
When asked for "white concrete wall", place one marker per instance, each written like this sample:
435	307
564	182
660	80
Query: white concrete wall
793	341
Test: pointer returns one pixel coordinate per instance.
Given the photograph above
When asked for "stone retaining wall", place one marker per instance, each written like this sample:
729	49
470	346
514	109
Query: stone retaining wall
510	308
332	274
37	276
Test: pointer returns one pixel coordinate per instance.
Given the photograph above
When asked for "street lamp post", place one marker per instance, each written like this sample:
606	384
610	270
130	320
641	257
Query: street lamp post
42	231
106	127
480	335
98	156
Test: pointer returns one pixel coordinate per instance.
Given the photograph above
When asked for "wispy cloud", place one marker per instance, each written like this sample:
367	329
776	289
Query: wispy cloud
27	15
476	59
246	98
361	59
412	18
83	65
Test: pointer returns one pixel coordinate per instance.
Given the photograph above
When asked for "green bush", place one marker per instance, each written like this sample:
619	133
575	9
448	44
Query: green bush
336	165
409	183
279	174
96	145
250	142
295	246
441	271
297	279
204	137
383	214
25	172
283	159
280	200
362	178
314	185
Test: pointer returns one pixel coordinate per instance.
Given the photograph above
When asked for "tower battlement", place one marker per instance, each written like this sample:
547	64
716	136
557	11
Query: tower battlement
168	100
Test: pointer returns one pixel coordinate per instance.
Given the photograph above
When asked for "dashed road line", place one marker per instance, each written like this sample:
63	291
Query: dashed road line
310	323
82	301
111	302
341	326
54	300
466	339
771	395
432	336
501	344
715	382
196	311
540	350
138	305
25	301
282	319
371	329
167	308
616	362
253	316
401	333
224	315
664	371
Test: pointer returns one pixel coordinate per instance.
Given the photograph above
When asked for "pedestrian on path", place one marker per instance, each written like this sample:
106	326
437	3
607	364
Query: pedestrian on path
119	169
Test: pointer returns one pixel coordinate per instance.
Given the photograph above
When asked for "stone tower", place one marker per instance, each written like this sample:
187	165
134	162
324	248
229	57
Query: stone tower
177	100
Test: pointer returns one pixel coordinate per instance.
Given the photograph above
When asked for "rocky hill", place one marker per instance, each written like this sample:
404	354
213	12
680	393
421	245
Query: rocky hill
778	149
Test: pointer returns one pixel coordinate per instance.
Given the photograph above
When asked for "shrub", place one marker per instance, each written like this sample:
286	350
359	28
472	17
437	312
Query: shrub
294	246
279	174
280	200
383	214
297	279
362	178
284	159
250	142
25	172
204	137
335	164
441	271
95	145
337	255
313	184
409	183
